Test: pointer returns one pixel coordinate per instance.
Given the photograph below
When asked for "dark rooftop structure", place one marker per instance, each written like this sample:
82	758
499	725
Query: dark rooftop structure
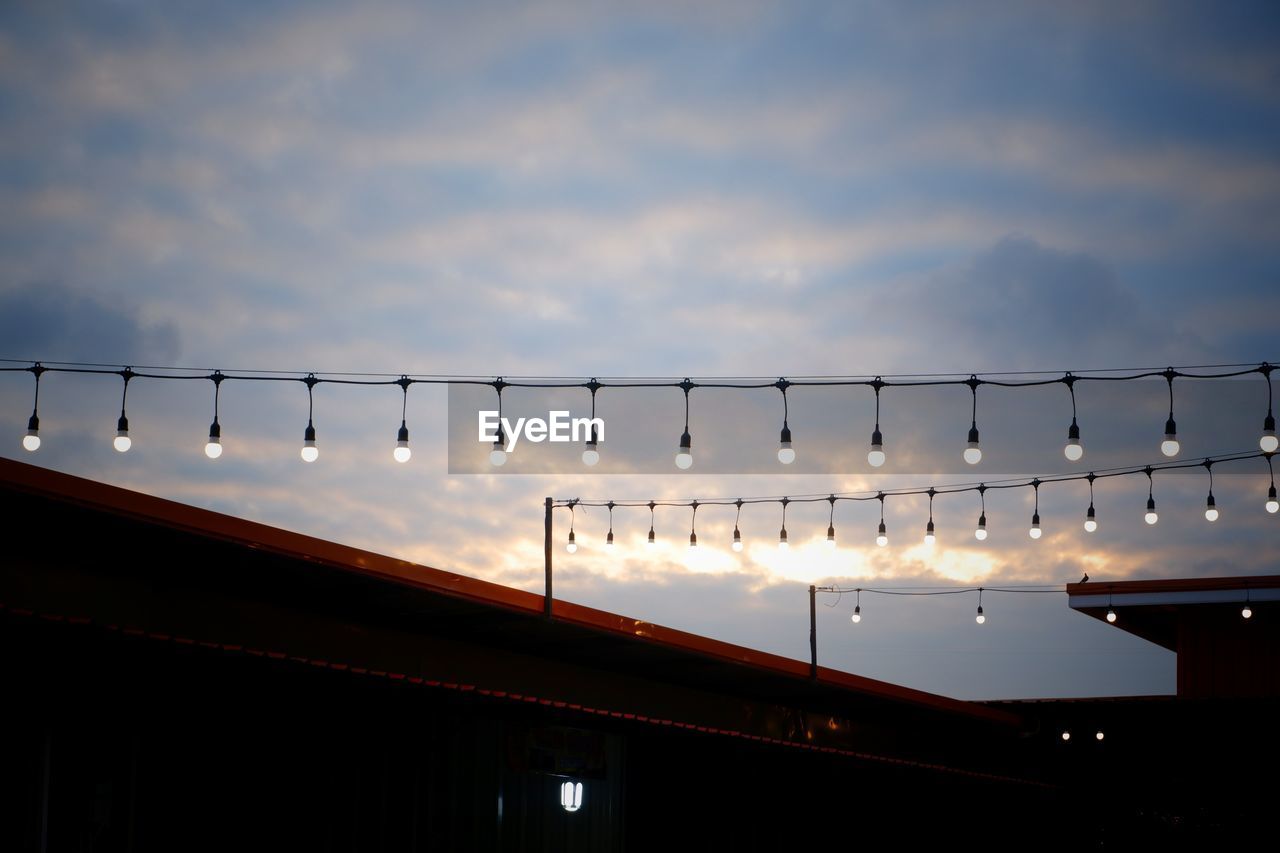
183	679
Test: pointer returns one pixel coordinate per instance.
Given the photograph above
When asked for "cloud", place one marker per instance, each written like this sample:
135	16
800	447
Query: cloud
52	322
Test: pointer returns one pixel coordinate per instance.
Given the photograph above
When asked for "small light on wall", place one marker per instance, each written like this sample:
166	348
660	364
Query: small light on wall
571	796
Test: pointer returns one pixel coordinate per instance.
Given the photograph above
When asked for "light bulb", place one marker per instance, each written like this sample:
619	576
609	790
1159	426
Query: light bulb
929	538
1099	735
1272	503
1151	517
981	618
122	442
693	539
857	614
882	538
651	541
402	453
498	456
973	453
608	540
831	538
981	532
309	450
1035	531
1246	612
31	441
213	449
737	539
782	539
1267	441
1111	615
1170	446
875	456
1066	735
1210	510
572	545
684	454
1090	520
1073	450
590	456
786	455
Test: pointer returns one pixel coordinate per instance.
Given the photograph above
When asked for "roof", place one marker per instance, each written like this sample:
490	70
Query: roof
475	611
1150	608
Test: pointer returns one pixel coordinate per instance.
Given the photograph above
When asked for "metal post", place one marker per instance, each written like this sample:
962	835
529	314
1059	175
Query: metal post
546	556
813	632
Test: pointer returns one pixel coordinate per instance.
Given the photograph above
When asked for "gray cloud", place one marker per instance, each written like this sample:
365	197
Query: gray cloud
52	322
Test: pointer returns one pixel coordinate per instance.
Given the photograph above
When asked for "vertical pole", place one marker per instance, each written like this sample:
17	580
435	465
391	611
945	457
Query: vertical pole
813	633
546	556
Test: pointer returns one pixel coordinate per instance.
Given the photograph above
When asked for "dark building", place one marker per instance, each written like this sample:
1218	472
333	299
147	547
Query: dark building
177	679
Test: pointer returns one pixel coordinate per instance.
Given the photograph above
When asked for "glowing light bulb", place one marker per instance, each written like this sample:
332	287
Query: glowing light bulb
1170	446
875	456
882	538
831	538
1035	531
213	449
929	538
590	456
310	453
1099	735
980	533
571	796
786	455
1246	612
1066	735
981	618
31	441
857	614
1272	504
973	453
782	539
1151	517
1111	615
684	454
1090	520
402	453
498	455
122	441
1073	450
737	539
1268	441
572	545
1210	510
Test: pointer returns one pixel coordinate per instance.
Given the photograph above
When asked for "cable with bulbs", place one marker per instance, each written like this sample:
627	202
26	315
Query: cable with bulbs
1073	450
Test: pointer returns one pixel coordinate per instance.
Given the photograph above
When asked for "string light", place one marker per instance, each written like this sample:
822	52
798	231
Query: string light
684	454
608	540
1073	450
1210	507
981	618
1034	532
786	455
875	456
929	538
498	455
857	609
1246	612
1151	517
980	532
782	535
122	442
737	534
1169	446
591	455
1272	504
572	545
882	536
651	541
310	453
31	441
1090	518
214	446
831	525
1268	441
973	453
693	534
402	453
1111	613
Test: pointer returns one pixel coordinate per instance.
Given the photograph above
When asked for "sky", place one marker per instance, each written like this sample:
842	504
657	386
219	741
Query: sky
660	189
